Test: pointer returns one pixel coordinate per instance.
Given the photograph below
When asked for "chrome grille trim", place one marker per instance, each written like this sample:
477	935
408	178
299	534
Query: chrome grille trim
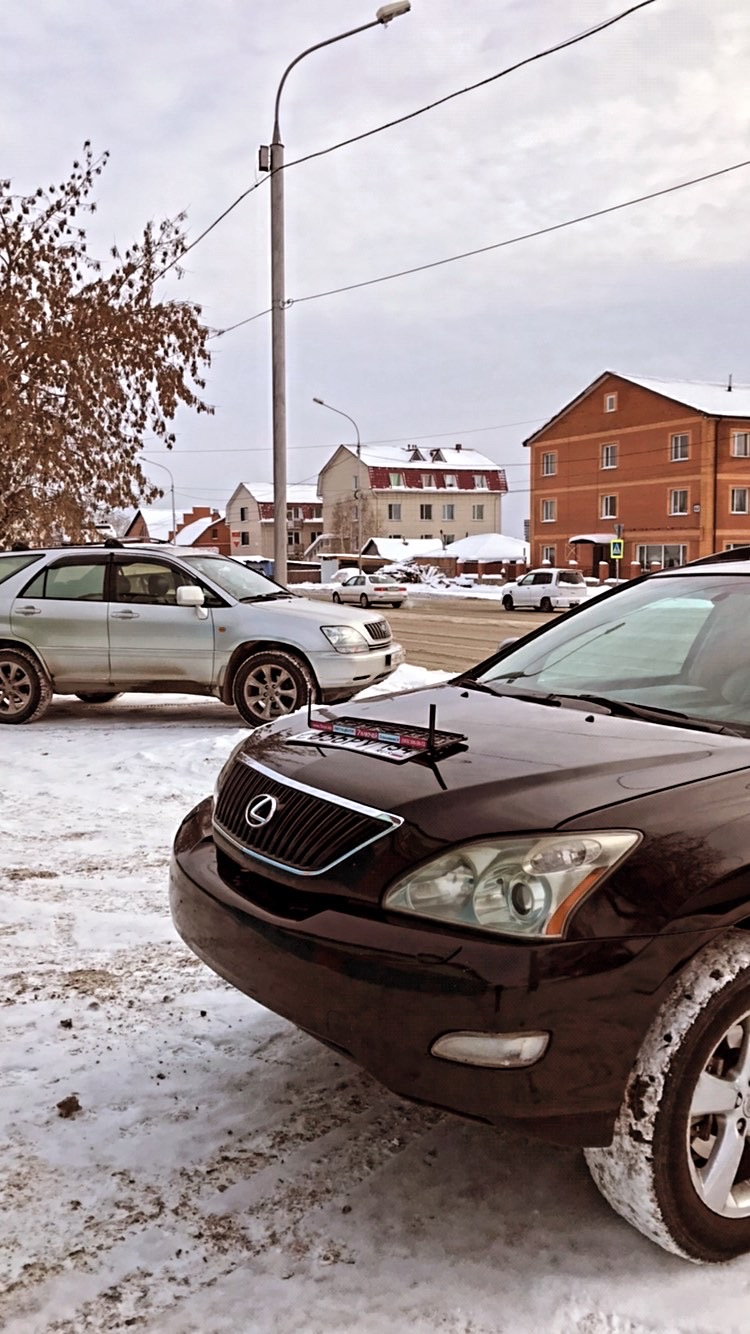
380	631
316	818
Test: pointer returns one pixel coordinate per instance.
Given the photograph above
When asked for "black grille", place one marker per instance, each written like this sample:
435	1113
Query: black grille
379	630
307	832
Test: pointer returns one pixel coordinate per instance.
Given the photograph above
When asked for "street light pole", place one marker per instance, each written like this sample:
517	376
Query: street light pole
171	489
358	492
272	159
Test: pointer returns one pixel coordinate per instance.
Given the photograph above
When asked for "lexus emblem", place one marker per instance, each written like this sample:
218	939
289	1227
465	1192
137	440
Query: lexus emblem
260	810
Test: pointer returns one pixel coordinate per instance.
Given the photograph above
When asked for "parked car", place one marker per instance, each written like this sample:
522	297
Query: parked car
523	895
547	589
94	621
369	589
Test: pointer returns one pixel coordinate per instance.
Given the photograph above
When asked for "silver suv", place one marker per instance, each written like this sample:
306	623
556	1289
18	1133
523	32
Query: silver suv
94	621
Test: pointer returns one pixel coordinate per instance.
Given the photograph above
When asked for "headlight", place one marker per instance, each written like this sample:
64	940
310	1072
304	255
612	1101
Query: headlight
345	638
517	886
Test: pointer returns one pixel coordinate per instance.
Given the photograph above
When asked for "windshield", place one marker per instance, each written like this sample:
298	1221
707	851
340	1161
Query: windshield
235	578
679	643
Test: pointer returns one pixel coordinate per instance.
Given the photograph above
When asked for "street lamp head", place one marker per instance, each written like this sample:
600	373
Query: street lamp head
320	401
392	11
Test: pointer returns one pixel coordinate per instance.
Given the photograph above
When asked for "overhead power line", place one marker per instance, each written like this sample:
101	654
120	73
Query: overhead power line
481	83
412	115
496	245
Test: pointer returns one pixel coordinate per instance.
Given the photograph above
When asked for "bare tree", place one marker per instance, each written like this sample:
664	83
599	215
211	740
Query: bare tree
90	363
345	523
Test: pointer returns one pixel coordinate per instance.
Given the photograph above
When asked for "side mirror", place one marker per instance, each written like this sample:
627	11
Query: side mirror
190	595
506	643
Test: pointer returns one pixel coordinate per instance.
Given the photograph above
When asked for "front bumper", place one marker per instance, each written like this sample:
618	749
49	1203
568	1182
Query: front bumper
381	989
341	675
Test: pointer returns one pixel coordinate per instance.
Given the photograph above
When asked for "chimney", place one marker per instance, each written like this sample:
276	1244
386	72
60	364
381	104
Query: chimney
457	448
729	385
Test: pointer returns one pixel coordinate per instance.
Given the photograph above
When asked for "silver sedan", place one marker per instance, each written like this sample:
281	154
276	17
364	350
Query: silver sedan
369	589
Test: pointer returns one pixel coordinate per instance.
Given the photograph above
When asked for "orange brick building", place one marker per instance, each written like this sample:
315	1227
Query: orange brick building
665	462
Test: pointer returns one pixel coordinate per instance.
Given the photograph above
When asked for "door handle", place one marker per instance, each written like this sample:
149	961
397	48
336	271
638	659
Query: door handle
126	615
28	611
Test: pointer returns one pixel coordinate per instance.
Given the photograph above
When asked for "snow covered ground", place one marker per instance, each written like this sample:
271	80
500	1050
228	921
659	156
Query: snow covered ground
225	1174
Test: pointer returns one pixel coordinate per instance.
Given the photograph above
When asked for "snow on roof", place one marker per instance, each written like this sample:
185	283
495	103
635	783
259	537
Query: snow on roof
403	548
488	547
158	521
714	399
598	539
297	493
404	456
192	531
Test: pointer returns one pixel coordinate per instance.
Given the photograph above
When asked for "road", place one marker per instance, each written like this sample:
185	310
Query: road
448	634
453	633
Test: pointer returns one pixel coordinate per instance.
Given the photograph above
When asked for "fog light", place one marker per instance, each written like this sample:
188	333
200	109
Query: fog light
501	1050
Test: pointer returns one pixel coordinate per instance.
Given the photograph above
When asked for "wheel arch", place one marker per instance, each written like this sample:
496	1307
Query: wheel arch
20	646
246	650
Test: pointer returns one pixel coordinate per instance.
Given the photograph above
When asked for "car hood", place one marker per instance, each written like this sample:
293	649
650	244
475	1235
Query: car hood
523	765
321	613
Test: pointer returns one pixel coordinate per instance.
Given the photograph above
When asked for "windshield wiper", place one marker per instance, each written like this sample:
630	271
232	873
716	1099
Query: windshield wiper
623	708
264	597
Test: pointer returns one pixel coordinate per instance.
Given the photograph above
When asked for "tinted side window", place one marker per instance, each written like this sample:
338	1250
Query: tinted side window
12	564
147	582
74	581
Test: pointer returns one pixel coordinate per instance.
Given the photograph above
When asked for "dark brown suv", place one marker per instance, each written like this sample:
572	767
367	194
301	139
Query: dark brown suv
523	895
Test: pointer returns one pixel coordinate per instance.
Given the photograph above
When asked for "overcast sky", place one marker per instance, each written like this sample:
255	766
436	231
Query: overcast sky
479	351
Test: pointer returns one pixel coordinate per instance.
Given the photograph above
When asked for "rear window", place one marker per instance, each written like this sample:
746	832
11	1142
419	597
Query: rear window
570	577
10	565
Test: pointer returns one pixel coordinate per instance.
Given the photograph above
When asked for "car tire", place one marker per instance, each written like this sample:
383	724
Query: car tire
99	696
270	684
337	597
508	602
364	601
545	605
397	604
25	689
682	1139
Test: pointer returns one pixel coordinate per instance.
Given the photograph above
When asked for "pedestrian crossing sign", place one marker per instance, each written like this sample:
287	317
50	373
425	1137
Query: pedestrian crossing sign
615	548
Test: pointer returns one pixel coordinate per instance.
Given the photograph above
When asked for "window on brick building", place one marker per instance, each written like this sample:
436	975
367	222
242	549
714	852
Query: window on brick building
739	500
549	465
608	507
395	479
741	444
428	480
480	482
679	449
610	402
678	502
244	514
451	481
609	456
666	556
550	554
549	511
244	539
